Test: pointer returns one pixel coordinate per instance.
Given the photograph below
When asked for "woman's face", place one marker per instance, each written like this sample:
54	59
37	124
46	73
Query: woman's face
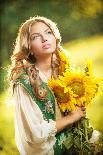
42	40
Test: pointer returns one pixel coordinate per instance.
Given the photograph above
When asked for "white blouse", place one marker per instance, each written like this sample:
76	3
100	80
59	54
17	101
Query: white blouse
33	135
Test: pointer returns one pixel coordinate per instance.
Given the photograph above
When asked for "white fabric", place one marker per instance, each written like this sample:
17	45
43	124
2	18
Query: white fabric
95	136
33	135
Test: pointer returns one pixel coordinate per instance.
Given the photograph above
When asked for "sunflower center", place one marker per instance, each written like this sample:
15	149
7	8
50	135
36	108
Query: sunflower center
77	88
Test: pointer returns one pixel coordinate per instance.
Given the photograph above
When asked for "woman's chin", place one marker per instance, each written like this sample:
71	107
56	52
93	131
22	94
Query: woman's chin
48	51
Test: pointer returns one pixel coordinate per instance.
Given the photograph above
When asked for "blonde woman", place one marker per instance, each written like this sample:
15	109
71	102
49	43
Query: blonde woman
40	127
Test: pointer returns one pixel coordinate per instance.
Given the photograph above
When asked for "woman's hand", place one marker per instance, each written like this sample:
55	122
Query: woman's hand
71	118
77	114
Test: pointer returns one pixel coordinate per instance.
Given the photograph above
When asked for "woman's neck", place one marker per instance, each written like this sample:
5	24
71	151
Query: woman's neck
44	64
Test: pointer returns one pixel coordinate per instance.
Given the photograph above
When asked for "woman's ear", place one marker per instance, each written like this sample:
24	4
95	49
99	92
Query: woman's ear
32	53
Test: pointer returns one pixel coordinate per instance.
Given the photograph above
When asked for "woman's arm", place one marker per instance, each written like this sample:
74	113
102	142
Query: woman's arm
74	116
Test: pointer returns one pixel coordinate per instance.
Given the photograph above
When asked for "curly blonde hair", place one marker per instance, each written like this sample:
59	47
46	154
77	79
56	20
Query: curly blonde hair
21	56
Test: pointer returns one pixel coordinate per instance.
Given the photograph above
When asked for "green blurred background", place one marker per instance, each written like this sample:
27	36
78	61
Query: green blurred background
81	25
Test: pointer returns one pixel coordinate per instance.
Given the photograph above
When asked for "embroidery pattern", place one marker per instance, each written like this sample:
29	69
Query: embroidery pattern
40	92
49	107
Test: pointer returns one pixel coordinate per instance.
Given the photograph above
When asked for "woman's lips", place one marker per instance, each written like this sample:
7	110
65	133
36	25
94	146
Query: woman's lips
46	46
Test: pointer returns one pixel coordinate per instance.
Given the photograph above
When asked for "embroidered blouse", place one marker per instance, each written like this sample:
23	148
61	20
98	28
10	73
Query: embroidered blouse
35	121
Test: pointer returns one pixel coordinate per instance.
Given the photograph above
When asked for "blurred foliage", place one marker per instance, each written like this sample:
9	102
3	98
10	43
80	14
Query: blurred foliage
75	19
4	83
89	48
81	25
7	142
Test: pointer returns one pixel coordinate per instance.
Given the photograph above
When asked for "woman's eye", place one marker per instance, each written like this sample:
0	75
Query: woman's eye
35	37
49	32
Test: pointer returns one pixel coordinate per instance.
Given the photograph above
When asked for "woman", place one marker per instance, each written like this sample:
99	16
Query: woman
40	127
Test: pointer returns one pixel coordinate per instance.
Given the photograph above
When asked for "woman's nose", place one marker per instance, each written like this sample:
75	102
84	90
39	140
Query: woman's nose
44	39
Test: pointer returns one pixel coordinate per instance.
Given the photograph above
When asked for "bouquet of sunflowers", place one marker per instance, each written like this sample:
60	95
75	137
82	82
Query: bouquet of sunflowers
76	87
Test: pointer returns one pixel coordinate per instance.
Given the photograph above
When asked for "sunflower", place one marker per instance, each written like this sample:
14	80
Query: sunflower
75	87
64	62
63	57
63	95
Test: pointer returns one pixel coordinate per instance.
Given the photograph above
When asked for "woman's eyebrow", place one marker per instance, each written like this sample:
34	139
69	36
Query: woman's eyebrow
47	29
39	33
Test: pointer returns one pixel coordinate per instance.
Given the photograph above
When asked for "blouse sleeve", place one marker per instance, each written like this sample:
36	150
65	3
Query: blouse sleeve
29	122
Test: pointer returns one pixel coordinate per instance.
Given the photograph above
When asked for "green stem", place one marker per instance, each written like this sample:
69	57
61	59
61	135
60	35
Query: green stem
86	133
81	145
81	153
